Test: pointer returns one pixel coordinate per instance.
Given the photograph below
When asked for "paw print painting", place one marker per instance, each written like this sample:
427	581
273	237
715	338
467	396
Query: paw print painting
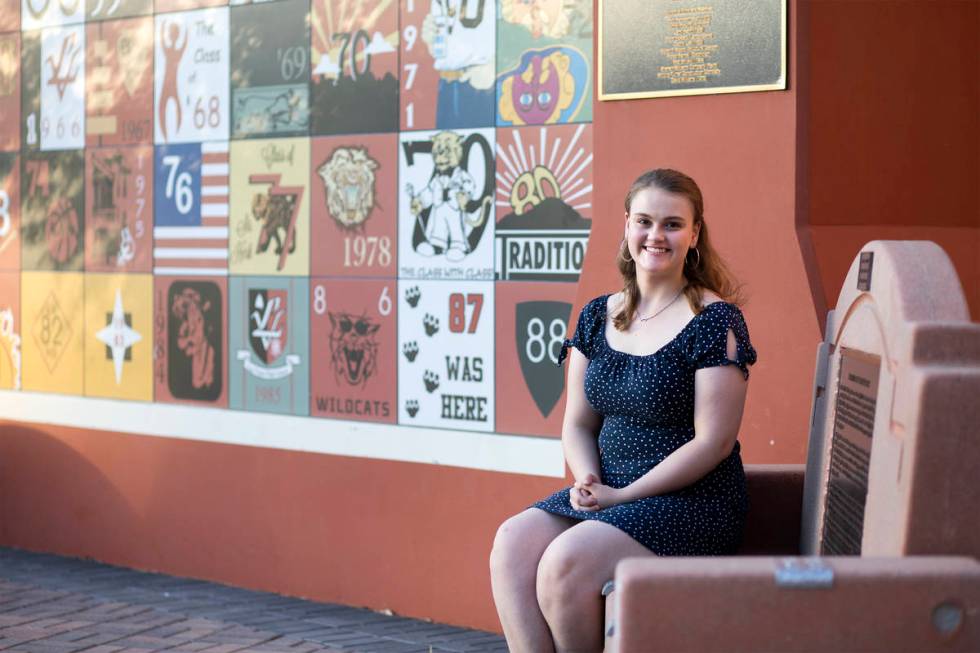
411	350
446	370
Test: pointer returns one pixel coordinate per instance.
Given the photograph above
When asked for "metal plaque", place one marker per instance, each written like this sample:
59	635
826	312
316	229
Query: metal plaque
864	271
690	47
850	453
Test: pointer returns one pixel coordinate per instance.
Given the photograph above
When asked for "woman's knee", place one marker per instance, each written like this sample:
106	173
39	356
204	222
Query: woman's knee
504	544
512	546
560	575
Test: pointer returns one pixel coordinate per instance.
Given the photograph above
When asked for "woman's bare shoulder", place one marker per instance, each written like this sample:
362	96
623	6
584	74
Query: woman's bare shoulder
708	298
614	302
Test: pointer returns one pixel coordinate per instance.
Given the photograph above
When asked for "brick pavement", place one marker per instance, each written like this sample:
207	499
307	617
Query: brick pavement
52	604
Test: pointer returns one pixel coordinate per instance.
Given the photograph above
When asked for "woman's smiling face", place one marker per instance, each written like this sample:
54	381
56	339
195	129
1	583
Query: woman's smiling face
659	231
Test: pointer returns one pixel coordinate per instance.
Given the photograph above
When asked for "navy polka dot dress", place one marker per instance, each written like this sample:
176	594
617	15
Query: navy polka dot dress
647	404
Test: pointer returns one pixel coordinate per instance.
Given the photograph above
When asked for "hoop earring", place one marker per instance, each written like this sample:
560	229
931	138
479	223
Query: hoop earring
624	253
697	261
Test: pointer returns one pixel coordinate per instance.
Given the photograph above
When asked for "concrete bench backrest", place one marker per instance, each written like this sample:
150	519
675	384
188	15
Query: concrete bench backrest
894	450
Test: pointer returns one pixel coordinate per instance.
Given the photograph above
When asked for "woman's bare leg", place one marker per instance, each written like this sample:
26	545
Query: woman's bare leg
570	577
514	560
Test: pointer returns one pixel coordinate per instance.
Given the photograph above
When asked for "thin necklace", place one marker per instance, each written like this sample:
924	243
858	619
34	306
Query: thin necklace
661	310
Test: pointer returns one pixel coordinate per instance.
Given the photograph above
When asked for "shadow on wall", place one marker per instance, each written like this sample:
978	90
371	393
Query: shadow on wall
38	473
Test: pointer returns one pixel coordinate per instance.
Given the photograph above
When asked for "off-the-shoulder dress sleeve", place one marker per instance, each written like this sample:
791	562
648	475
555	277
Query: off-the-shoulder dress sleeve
590	320
709	347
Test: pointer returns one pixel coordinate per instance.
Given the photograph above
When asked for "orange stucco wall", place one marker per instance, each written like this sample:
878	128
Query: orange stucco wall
795	181
892	131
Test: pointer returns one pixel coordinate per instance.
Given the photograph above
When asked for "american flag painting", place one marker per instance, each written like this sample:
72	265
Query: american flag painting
190	230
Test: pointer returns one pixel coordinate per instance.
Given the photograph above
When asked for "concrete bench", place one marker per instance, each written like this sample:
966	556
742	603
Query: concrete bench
700	604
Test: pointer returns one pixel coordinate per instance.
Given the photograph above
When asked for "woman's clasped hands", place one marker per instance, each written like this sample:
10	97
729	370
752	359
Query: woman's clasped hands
589	495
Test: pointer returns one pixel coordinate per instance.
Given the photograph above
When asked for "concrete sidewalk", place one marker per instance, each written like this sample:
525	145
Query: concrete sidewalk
51	604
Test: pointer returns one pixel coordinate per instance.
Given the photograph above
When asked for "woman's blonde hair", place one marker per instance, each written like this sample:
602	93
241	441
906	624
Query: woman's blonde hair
704	271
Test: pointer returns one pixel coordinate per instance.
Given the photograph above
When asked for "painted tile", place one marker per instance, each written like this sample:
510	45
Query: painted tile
118	337
532	322
270	207
191	96
52	341
544	202
447	59
10	333
119	82
446	365
544	62
270	69
354	215
445	205
190	340
52	196
269	363
353	349
119	209
9	211
354	80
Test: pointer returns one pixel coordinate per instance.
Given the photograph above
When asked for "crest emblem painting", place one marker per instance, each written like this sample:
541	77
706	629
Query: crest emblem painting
268	320
540	331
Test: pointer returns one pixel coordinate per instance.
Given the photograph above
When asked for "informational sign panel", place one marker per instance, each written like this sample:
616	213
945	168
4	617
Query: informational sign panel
270	207
53	332
52	199
10	91
191	101
445	370
270	69
9	211
118	337
544	62
354	216
445	205
119	209
692	47
119	82
10	333
190	340
355	66
353	354
850	453
269	362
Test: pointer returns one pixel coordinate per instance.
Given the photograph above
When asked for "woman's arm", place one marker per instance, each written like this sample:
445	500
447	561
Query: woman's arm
580	427
719	397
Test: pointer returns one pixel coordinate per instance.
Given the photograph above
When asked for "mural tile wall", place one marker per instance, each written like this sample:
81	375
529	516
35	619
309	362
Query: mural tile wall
370	210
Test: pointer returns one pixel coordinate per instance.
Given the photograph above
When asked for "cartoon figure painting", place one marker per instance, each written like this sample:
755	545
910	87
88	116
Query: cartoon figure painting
545	62
452	219
544	89
461	40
